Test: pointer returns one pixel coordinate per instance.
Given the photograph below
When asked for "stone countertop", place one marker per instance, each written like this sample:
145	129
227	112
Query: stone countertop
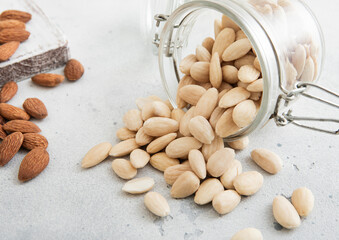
67	202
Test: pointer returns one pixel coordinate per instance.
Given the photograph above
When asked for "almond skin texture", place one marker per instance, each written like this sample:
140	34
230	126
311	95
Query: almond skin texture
10	146
48	79
156	204
35	108
161	161
123	148
13	34
11	23
267	160
172	173
73	70
207	190
8	49
248	234
248	183
185	185
33	164
285	214
132	120
225	201
34	140
138	185
2	120
218	163
3	134
303	201
16	15
96	155
12	113
124	168
8	91
159	126
179	148
22	126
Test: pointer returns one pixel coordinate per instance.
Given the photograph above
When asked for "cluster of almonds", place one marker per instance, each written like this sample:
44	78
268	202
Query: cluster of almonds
12	32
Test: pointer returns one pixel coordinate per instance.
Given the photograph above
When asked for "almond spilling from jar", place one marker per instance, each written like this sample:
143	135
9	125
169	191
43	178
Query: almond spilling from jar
225	125
184	122
139	158
248	183
248	74
186	64
215	71
208	149
218	163
207	190
159	126
197	163
239	144
179	148
303	201
123	168
186	80
267	160
285	214
244	113
207	103
201	129
200	71
191	93
156	204
185	185
123	148
237	50
138	185
132	120
160	143
225	201
161	161
233	97
172	173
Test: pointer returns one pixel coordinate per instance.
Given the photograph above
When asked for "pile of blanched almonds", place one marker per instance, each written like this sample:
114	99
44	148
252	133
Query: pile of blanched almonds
221	91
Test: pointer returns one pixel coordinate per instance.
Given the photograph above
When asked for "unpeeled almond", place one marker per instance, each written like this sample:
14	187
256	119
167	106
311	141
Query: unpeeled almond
156	204
185	185
33	164
13	113
207	190
10	146
225	201
139	158
138	185
96	155
123	168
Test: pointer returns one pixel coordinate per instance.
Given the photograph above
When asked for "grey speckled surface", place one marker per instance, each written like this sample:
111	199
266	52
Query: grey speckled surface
66	202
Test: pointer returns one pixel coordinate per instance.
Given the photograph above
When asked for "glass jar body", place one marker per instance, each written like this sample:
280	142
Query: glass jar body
285	37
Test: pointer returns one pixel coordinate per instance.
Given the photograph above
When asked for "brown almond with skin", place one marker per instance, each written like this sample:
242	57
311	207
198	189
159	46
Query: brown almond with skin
22	126
73	70
16	15
225	125
13	34
10	146
191	93
161	161
11	23
123	148
172	173
48	79
2	120
179	148
160	143
8	91
33	164
207	103
7	50
215	71
219	161
34	140
185	185
3	134
13	113
233	97
35	108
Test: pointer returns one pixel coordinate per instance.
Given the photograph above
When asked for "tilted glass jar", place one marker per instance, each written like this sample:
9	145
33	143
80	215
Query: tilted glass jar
285	35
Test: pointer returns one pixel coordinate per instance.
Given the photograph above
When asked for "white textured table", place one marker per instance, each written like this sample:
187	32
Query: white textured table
66	202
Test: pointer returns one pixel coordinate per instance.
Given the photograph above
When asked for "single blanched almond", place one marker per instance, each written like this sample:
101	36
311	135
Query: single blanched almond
169	104
123	168
155	109
248	74
191	93
184	122
161	161
285	214
225	86
245	60
267	160
224	39
230	74
96	155
208	149
201	129
8	91
248	183
240	35
124	133
159	126
256	86
225	201
35	108
248	234
185	185
202	54
12	113
217	27
237	50
156	204
220	161
232	171
123	148
221	94
215	71
141	138
225	125
172	173
138	185
160	143
208	44
10	146
308	73
256	64
179	148
186	80
139	158
197	163
141	102
299	59
132	120
186	64
216	114
233	97
239	144
207	191
226	22
303	201
255	96
22	126
207	103
200	71
244	113
177	114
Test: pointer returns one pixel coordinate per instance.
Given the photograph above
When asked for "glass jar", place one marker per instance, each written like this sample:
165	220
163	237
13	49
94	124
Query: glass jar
284	34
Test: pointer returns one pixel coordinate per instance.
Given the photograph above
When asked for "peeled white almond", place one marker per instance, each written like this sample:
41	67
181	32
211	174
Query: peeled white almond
285	214
185	185
225	201
233	97
220	161
244	113
132	120
197	163
96	155
139	158
239	144
267	160
201	129
123	168
138	185
207	190
248	183
303	201
156	204
248	234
